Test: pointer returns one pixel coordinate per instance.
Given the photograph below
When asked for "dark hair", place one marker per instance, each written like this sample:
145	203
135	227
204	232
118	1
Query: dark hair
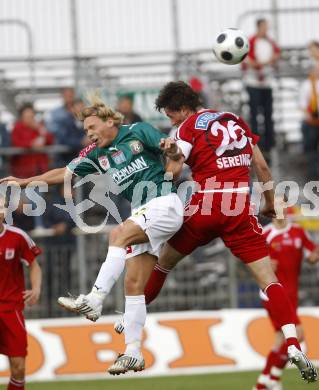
176	95
260	21
23	107
314	43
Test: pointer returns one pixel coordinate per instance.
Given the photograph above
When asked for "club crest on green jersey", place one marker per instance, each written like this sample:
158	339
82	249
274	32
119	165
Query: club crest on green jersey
136	147
104	162
118	157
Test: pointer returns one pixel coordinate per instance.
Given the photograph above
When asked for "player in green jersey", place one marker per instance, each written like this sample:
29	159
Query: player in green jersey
131	157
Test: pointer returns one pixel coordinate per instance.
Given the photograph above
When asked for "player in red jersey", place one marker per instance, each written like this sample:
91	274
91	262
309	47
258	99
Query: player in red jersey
219	147
287	243
16	249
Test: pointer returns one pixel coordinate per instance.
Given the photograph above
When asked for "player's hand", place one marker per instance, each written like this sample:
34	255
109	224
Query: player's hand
13	181
168	145
170	148
31	297
269	211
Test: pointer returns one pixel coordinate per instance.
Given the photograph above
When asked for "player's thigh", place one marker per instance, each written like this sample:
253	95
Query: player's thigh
243	235
262	272
138	271
159	219
13	338
169	257
197	230
127	233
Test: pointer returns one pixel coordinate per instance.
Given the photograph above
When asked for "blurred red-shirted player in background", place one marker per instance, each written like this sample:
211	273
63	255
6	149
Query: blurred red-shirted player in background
16	249
288	245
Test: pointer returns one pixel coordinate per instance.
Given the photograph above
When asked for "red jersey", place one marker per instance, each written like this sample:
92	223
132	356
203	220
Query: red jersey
217	144
286	247
16	247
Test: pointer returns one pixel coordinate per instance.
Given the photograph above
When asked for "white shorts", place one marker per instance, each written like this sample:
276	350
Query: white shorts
160	219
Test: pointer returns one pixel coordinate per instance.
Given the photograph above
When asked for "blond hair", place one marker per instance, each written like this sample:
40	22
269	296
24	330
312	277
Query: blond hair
97	107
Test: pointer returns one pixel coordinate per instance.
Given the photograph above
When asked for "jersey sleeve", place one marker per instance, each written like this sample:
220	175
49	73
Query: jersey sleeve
83	165
307	243
29	250
148	135
184	139
185	133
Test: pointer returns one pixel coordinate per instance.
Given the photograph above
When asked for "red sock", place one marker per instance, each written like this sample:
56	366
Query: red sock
279	363
282	356
15	384
281	308
155	283
272	358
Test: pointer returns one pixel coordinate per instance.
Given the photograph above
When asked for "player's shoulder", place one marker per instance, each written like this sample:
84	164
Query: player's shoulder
202	119
88	150
140	127
297	228
19	233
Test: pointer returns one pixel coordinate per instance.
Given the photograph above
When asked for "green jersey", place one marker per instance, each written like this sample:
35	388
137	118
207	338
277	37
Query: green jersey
134	162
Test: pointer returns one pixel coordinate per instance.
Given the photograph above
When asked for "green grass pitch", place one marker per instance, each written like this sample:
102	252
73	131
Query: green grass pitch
225	381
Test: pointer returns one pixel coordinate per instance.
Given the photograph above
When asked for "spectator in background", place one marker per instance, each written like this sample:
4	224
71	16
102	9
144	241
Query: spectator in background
125	107
29	133
4	136
309	104
57	219
66	128
258	77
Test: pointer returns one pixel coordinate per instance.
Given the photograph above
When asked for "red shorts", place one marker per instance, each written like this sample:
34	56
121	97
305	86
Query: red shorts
225	215
275	324
13	335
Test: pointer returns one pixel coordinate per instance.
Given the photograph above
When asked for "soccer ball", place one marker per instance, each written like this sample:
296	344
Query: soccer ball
231	46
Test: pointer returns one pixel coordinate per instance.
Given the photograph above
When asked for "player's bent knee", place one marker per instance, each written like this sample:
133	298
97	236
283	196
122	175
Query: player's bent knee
126	234
18	369
133	286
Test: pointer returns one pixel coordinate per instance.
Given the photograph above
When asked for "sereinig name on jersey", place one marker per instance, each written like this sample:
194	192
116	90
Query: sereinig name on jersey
236	161
135	166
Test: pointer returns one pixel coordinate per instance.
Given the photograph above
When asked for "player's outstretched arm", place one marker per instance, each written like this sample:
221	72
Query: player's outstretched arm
313	258
55	176
264	176
32	296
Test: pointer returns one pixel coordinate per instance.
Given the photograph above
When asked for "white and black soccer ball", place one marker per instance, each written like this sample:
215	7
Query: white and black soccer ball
231	46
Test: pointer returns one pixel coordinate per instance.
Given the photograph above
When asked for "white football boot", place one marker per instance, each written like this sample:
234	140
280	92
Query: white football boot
89	305
125	363
307	370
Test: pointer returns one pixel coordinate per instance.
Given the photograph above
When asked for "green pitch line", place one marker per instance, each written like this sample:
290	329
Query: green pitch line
225	381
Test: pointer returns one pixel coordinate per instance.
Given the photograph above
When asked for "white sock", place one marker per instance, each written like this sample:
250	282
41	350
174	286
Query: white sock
289	331
110	271
134	321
